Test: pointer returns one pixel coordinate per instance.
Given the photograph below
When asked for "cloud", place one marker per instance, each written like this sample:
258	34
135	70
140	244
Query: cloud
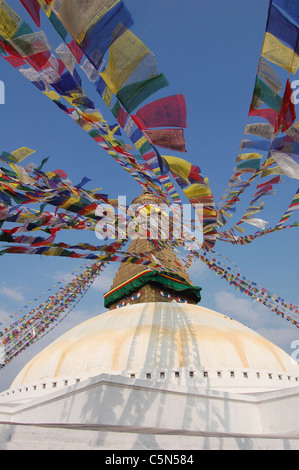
243	309
258	317
4	313
104	281
198	270
12	293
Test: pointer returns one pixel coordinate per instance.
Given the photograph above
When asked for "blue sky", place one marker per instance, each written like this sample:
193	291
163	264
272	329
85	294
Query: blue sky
209	52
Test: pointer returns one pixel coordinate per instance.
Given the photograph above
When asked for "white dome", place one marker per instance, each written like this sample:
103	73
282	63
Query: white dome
159	340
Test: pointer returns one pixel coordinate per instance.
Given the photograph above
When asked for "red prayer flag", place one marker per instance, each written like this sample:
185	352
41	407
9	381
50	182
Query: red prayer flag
287	113
274	180
166	112
269	114
172	139
15	61
195	175
33	8
40	61
76	51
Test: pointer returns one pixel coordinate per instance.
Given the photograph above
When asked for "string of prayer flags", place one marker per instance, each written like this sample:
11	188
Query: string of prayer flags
131	74
275	303
66	85
55	190
118	75
281	47
291	209
44	317
98	30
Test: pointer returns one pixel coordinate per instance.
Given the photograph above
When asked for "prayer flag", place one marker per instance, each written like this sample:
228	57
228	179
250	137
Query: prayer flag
286	163
275	51
283	29
264	93
134	94
78	17
256	144
166	112
33	8
290	7
125	54
270	114
260	129
167	138
183	169
287	113
270	77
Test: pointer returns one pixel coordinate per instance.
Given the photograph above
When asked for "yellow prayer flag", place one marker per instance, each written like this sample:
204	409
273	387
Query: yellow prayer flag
140	142
125	54
50	174
239	229
248	156
197	191
95	116
275	51
22	174
22	153
178	166
271	171
9	20
79	16
72	200
107	96
52	95
53	251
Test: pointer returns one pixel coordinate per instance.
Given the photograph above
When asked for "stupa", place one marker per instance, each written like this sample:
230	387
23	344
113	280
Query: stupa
155	371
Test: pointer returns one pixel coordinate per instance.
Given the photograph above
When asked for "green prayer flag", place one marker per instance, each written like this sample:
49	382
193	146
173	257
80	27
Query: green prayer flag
134	94
265	93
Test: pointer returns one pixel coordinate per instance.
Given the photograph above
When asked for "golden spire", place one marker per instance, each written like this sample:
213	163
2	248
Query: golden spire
135	283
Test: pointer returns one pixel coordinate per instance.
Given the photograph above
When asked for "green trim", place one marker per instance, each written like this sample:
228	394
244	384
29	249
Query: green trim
167	280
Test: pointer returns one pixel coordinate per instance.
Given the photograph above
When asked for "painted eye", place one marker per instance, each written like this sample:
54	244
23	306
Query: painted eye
122	304
136	296
181	301
165	294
